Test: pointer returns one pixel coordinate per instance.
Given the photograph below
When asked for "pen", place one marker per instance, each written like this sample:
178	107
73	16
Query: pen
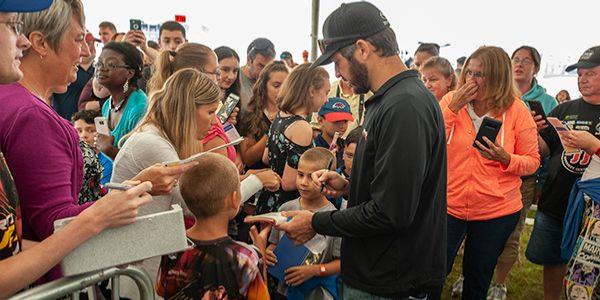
328	168
118	186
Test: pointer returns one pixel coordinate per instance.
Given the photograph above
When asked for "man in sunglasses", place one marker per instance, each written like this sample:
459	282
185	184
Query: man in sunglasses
394	229
259	54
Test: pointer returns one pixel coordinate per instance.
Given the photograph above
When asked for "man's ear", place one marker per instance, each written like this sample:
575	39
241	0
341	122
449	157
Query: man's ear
39	44
364	50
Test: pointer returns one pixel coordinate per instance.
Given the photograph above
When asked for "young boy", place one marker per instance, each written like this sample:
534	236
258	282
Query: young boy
323	265
334	116
345	170
83	121
217	267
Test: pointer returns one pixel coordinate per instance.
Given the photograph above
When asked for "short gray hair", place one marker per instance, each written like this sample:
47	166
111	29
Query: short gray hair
55	21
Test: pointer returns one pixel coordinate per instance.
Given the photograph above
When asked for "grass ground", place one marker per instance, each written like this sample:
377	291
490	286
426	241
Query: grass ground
524	281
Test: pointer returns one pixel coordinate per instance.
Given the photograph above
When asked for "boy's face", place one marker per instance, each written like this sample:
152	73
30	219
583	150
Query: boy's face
306	186
170	39
86	131
330	128
348	157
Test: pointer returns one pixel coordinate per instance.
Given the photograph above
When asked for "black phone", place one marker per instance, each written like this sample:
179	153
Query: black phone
537	107
228	106
135	24
489	128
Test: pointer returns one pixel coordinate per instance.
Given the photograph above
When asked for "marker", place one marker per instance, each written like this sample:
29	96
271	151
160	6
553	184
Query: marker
118	186
328	168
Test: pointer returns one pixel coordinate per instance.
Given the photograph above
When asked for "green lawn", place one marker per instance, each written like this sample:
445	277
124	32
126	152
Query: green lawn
524	281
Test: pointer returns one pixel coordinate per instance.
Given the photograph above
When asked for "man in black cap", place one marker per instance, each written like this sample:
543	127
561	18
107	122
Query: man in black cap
394	229
259	54
582	116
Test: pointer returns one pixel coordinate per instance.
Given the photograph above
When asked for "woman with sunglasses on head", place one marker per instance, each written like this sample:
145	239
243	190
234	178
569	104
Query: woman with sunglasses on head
526	63
483	196
118	69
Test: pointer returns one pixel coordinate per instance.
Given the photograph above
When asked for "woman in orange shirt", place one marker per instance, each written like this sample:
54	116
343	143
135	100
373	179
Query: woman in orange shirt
483	194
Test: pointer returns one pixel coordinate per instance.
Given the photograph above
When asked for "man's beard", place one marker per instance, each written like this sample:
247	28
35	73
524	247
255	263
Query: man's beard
359	77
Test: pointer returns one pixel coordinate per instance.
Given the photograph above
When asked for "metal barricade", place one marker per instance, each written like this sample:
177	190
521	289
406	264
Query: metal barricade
73	285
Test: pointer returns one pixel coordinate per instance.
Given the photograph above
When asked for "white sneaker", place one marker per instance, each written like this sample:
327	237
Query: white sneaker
497	292
457	287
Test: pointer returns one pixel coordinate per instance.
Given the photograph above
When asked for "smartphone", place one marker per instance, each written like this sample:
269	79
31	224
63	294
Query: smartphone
102	125
537	107
489	128
227	108
561	129
135	24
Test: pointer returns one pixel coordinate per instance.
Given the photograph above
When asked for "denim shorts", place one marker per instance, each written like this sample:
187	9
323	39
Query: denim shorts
544	244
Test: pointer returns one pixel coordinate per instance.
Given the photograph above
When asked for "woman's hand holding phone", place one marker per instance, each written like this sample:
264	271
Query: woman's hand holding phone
493	151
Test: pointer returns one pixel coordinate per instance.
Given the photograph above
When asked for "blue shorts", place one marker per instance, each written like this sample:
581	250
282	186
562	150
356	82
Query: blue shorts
544	244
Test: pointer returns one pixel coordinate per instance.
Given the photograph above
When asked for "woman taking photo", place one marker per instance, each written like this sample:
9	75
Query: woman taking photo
438	76
118	69
526	63
262	108
483	196
303	93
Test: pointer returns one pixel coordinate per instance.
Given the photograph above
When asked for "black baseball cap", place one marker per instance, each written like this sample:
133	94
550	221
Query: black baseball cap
347	24
589	59
24	5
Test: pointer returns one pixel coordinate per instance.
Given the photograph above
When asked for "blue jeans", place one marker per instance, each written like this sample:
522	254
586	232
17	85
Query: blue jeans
349	293
484	243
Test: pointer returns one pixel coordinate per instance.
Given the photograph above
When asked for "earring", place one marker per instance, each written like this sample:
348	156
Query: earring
126	86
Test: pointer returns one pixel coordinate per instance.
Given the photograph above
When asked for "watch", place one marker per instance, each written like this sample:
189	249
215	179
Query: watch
322	270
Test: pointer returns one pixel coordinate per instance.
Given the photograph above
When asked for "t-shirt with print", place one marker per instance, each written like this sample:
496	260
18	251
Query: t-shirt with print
330	253
565	168
10	216
217	269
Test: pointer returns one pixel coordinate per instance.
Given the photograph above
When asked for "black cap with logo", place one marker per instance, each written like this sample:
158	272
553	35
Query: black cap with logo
347	24
589	59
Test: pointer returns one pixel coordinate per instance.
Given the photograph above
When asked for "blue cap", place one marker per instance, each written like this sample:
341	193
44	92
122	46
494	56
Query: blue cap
24	5
336	109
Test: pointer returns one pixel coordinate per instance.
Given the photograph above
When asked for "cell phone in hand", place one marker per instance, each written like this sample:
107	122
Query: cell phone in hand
489	128
102	125
228	107
536	106
135	24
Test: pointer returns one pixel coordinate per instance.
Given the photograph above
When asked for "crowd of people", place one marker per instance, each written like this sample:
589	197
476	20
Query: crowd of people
378	169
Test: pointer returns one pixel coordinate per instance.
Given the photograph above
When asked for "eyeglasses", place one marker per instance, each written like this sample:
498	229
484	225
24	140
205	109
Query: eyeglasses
525	61
476	75
217	72
15	26
110	66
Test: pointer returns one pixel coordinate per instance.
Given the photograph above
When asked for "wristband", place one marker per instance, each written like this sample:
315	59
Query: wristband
322	270
597	152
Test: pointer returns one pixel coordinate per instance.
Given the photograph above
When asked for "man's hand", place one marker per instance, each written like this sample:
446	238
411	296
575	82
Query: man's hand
299	228
299	274
581	139
163	178
539	121
335	184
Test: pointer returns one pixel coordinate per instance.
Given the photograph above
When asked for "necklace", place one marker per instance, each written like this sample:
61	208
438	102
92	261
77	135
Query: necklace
33	90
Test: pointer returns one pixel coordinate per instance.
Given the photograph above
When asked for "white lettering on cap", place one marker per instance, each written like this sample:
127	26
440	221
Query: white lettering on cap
587	54
385	21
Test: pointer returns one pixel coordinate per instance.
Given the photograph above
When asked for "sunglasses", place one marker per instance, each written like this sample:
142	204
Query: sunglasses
349	39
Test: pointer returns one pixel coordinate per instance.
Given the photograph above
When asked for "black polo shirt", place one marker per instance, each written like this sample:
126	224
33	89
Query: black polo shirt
394	230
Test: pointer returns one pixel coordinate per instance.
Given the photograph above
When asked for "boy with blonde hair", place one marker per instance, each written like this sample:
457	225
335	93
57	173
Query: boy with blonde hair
216	267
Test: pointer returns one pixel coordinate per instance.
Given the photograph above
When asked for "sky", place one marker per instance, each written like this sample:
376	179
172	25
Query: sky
560	30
